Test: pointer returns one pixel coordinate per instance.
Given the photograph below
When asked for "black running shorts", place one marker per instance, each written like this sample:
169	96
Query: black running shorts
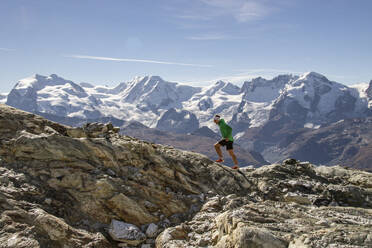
228	144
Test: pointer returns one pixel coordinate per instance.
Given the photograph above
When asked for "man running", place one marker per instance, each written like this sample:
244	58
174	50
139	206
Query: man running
227	140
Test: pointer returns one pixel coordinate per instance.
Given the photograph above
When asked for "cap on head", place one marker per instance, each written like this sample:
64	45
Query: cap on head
217	117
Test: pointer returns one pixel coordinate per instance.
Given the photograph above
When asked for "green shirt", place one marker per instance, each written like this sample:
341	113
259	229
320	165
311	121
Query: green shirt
226	130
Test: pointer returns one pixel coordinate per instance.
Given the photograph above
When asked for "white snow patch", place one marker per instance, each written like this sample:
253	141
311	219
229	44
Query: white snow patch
257	112
361	89
239	135
26	82
3	97
311	126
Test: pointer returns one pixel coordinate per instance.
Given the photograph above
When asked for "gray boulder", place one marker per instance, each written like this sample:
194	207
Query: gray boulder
127	233
152	230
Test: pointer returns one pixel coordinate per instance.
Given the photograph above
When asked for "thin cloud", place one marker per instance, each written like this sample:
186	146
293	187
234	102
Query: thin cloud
248	74
241	10
235	79
133	60
194	17
208	37
6	49
268	70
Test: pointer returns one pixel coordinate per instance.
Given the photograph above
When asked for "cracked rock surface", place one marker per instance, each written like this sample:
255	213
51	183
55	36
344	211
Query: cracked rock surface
65	187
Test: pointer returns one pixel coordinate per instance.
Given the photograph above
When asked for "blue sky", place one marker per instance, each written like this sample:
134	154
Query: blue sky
197	41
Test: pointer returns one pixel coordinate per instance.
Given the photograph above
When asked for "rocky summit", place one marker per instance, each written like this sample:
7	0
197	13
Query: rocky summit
91	187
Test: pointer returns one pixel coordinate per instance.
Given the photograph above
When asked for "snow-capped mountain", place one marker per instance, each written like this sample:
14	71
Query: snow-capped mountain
263	90
143	99
53	95
220	98
155	93
312	98
258	96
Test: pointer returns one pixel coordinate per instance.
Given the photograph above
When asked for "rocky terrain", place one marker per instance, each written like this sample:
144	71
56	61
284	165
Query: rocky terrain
91	187
201	140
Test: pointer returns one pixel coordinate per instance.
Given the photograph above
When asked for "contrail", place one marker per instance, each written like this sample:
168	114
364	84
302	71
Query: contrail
133	60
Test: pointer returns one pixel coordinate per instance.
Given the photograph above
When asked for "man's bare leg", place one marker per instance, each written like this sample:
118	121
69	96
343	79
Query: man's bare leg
218	150
231	152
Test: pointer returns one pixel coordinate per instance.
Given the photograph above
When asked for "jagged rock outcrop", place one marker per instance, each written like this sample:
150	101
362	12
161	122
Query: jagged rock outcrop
318	213
91	187
86	178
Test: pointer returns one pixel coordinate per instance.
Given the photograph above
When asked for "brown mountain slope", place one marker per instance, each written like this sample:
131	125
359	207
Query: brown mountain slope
347	142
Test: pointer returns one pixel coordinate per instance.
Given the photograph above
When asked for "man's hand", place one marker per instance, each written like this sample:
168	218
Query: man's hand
227	139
